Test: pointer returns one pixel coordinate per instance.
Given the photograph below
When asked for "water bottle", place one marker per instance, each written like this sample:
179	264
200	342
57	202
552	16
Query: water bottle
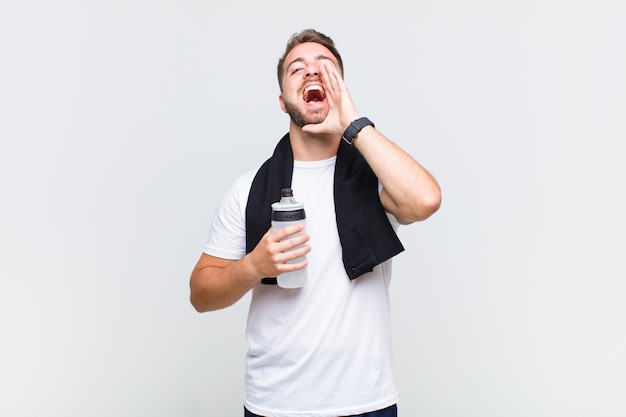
286	212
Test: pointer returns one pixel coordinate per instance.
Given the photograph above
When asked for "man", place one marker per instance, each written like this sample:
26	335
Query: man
324	349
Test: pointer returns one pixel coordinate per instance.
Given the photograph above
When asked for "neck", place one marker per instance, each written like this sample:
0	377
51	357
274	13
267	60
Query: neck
312	147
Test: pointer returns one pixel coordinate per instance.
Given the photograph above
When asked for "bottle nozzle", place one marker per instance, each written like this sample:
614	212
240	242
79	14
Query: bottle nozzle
286	192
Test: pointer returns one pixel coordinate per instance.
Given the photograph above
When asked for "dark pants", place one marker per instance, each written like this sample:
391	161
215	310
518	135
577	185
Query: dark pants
391	411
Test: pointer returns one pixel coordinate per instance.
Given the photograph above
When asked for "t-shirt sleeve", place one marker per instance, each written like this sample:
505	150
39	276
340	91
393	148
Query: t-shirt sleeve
227	235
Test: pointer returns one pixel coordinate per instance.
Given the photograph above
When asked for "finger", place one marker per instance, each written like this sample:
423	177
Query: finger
313	128
291	243
332	75
329	81
280	234
292	267
283	262
290	255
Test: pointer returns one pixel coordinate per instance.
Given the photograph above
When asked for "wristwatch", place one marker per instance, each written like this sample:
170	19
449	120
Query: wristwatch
355	127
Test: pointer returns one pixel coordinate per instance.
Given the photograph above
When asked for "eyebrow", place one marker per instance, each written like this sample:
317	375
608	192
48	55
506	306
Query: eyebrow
300	59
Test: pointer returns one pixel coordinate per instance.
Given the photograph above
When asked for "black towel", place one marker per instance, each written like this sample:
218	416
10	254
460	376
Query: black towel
367	238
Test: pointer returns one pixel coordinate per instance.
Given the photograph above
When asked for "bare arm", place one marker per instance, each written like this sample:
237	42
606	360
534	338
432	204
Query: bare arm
218	283
409	192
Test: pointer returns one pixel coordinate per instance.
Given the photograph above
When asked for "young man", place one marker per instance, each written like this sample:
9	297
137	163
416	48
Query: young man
323	349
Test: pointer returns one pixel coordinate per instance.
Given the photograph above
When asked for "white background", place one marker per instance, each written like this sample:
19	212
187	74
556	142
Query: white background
123	122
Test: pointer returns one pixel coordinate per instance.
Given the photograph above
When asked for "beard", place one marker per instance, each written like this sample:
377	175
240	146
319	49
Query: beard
300	119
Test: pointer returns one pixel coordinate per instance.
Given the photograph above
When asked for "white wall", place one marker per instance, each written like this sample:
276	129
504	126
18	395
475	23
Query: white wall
122	122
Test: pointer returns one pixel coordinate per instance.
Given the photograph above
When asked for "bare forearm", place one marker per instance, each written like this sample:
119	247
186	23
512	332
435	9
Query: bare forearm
410	192
217	287
218	283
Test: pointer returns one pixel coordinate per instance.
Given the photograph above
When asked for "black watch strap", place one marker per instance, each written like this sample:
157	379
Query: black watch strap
355	127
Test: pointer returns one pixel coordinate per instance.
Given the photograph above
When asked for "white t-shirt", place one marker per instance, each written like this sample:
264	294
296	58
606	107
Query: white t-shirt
324	349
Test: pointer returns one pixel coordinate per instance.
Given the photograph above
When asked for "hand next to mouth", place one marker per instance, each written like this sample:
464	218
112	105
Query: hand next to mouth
341	110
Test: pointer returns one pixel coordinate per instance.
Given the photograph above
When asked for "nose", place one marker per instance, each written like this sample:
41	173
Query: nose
311	69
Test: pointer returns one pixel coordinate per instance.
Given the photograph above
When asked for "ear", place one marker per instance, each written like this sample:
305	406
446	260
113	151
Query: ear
282	103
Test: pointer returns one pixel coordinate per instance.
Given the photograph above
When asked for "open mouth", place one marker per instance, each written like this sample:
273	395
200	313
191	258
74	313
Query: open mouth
314	93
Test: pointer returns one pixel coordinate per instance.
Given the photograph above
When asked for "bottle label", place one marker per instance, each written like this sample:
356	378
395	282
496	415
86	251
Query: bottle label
288	216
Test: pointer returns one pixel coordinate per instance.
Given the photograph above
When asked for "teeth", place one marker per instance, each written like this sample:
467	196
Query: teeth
312	87
314	93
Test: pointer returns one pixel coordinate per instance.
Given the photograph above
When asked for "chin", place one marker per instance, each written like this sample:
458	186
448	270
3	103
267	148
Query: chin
317	116
306	116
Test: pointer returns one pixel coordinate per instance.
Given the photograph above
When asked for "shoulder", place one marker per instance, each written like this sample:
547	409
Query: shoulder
231	205
244	181
239	189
